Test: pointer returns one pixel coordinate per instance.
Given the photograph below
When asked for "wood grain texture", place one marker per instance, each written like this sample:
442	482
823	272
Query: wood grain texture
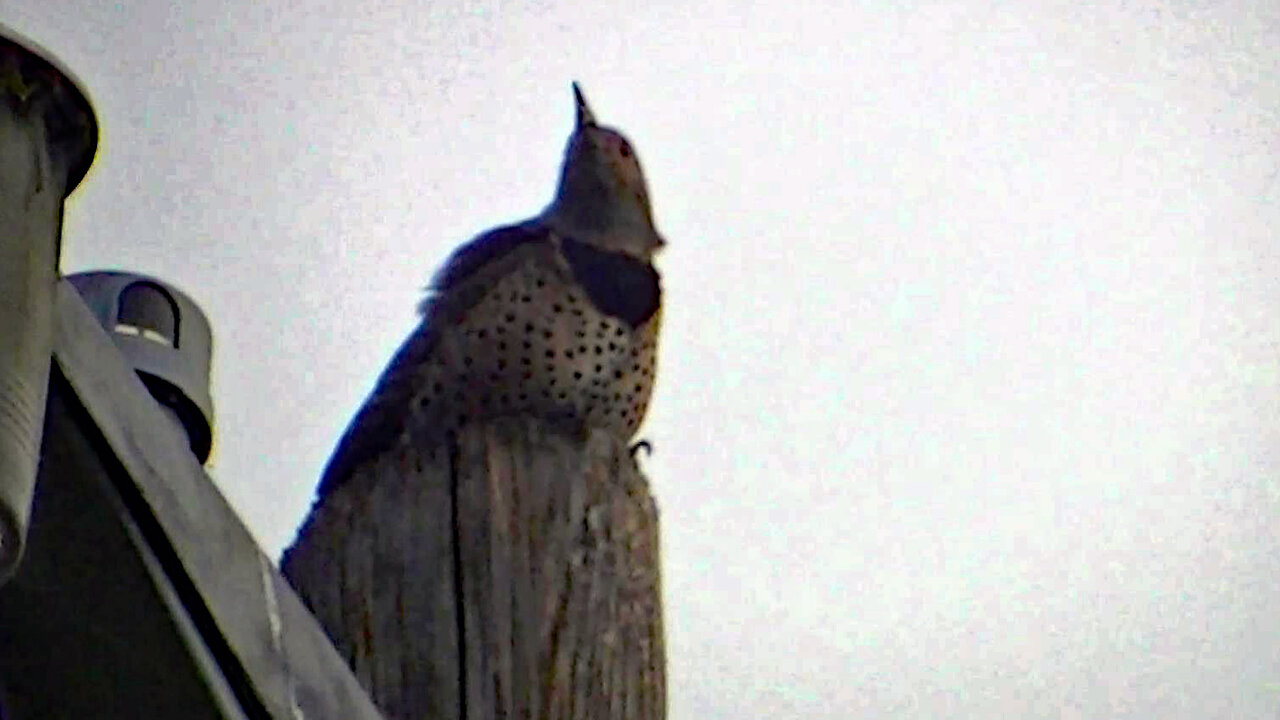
510	573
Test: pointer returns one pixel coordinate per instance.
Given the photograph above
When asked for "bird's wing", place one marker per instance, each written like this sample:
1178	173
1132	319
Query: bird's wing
459	285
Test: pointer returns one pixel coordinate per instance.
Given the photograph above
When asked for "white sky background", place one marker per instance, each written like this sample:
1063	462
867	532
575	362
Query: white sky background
968	399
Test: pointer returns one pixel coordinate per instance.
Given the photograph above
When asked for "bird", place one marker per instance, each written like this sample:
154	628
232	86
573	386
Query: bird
555	317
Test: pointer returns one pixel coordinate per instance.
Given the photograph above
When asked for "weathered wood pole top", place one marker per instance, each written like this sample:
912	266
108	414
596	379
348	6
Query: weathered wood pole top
511	573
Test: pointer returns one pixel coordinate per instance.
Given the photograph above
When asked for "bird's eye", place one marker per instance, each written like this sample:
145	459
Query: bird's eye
624	148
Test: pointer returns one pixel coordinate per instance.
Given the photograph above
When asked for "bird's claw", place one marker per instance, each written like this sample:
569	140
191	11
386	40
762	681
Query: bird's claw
642	445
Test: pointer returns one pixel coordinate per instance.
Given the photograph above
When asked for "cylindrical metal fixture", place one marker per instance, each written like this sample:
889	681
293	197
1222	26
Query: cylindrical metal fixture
165	337
48	135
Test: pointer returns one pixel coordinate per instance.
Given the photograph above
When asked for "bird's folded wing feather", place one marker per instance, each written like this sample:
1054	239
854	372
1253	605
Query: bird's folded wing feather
462	282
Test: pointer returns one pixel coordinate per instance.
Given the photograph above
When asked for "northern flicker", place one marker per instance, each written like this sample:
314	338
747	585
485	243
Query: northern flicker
555	317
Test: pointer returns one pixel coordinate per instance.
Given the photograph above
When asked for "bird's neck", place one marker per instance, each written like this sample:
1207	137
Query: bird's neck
589	213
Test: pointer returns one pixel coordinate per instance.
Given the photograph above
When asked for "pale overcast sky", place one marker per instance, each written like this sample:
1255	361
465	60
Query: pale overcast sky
968	400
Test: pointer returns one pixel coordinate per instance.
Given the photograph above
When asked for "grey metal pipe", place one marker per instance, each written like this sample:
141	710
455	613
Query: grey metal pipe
48	135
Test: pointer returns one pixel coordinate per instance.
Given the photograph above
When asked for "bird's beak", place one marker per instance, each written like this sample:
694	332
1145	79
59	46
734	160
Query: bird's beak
585	116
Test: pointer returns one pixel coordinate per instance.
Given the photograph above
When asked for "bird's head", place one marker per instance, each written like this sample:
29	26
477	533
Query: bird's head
602	198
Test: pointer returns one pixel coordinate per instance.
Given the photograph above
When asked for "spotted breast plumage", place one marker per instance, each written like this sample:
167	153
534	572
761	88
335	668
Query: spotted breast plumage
555	317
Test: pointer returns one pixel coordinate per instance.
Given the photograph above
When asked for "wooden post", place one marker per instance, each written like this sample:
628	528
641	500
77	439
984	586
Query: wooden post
510	574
